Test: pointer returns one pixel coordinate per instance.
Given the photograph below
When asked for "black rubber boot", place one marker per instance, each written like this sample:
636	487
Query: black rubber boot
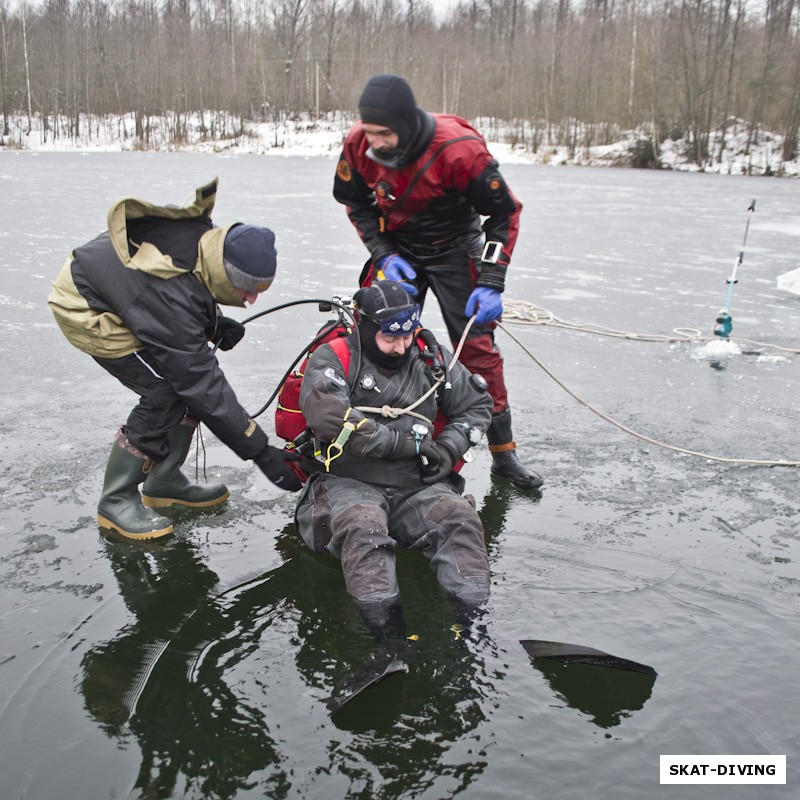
120	507
384	619
505	463
467	615
391	654
167	485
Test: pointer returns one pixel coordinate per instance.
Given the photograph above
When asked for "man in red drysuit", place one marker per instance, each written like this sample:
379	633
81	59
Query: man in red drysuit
416	186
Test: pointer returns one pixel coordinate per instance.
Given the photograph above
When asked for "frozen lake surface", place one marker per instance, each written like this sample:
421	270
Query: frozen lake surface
198	667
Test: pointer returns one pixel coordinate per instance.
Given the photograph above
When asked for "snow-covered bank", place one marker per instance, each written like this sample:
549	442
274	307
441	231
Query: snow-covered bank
218	132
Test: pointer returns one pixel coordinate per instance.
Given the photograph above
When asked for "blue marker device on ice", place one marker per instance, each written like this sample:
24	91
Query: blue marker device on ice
724	320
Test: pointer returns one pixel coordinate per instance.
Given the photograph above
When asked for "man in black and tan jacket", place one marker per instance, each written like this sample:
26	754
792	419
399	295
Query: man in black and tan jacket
141	299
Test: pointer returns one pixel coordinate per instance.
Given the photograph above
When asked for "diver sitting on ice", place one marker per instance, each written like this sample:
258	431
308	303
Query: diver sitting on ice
382	479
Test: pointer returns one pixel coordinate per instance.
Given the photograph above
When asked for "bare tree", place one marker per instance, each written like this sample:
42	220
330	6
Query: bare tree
5	58
24	12
571	72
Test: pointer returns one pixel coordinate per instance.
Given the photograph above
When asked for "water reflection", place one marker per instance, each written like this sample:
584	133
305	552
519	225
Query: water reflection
161	585
605	695
141	682
496	507
193	677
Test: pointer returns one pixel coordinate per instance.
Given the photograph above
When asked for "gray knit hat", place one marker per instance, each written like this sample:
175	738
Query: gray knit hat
250	257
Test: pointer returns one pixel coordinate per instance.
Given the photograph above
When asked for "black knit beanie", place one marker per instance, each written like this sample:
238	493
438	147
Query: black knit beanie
387	100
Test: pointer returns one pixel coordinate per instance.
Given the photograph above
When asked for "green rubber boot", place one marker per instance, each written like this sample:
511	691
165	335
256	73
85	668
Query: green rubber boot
167	485
120	507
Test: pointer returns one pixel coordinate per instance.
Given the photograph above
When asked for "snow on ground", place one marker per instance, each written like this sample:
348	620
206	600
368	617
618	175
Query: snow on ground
303	135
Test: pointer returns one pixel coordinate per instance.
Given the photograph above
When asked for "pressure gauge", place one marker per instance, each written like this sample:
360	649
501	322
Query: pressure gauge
474	435
479	382
420	431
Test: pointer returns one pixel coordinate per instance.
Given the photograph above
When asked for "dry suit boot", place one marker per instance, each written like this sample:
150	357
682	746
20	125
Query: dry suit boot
505	462
391	654
167	485
384	619
120	507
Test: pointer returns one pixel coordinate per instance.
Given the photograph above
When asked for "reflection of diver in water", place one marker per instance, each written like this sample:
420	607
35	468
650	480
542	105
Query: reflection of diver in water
139	682
162	678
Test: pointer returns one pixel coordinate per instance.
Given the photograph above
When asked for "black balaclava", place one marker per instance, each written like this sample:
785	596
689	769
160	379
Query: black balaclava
387	100
380	300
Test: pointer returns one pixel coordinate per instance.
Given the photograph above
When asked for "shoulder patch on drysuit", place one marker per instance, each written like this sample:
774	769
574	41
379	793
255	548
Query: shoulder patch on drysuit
343	170
494	183
334	376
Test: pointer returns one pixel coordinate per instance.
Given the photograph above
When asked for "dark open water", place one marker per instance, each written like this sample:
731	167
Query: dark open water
198	667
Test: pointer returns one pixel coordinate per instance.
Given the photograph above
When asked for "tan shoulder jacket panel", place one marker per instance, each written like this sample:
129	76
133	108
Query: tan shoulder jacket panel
149	258
100	334
103	334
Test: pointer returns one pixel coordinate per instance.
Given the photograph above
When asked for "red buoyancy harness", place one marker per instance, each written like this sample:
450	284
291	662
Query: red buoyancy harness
290	422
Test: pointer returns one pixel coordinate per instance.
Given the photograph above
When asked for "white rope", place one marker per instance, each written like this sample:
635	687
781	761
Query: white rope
602	415
393	413
522	312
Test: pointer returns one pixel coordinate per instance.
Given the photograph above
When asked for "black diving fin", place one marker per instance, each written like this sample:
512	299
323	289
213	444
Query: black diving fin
578	654
380	665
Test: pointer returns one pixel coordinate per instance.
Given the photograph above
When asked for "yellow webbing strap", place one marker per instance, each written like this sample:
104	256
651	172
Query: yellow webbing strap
336	447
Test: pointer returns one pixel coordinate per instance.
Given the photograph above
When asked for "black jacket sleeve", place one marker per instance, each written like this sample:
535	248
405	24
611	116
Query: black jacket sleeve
350	189
492	198
171	318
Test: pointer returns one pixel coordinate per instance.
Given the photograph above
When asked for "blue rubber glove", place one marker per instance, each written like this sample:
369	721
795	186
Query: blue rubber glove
488	303
394	268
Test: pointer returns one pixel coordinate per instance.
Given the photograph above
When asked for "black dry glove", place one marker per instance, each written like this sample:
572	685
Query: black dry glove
274	463
406	447
229	333
439	462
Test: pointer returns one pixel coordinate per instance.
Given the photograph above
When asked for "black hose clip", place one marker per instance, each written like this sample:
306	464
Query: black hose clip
432	355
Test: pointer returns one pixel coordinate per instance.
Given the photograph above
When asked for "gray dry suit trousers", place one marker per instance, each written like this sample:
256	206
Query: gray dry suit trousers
361	524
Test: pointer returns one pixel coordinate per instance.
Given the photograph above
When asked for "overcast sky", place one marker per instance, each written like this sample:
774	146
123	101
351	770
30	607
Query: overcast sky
441	7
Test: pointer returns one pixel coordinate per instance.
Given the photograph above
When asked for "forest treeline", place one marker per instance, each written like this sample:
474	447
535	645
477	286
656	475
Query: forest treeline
564	71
